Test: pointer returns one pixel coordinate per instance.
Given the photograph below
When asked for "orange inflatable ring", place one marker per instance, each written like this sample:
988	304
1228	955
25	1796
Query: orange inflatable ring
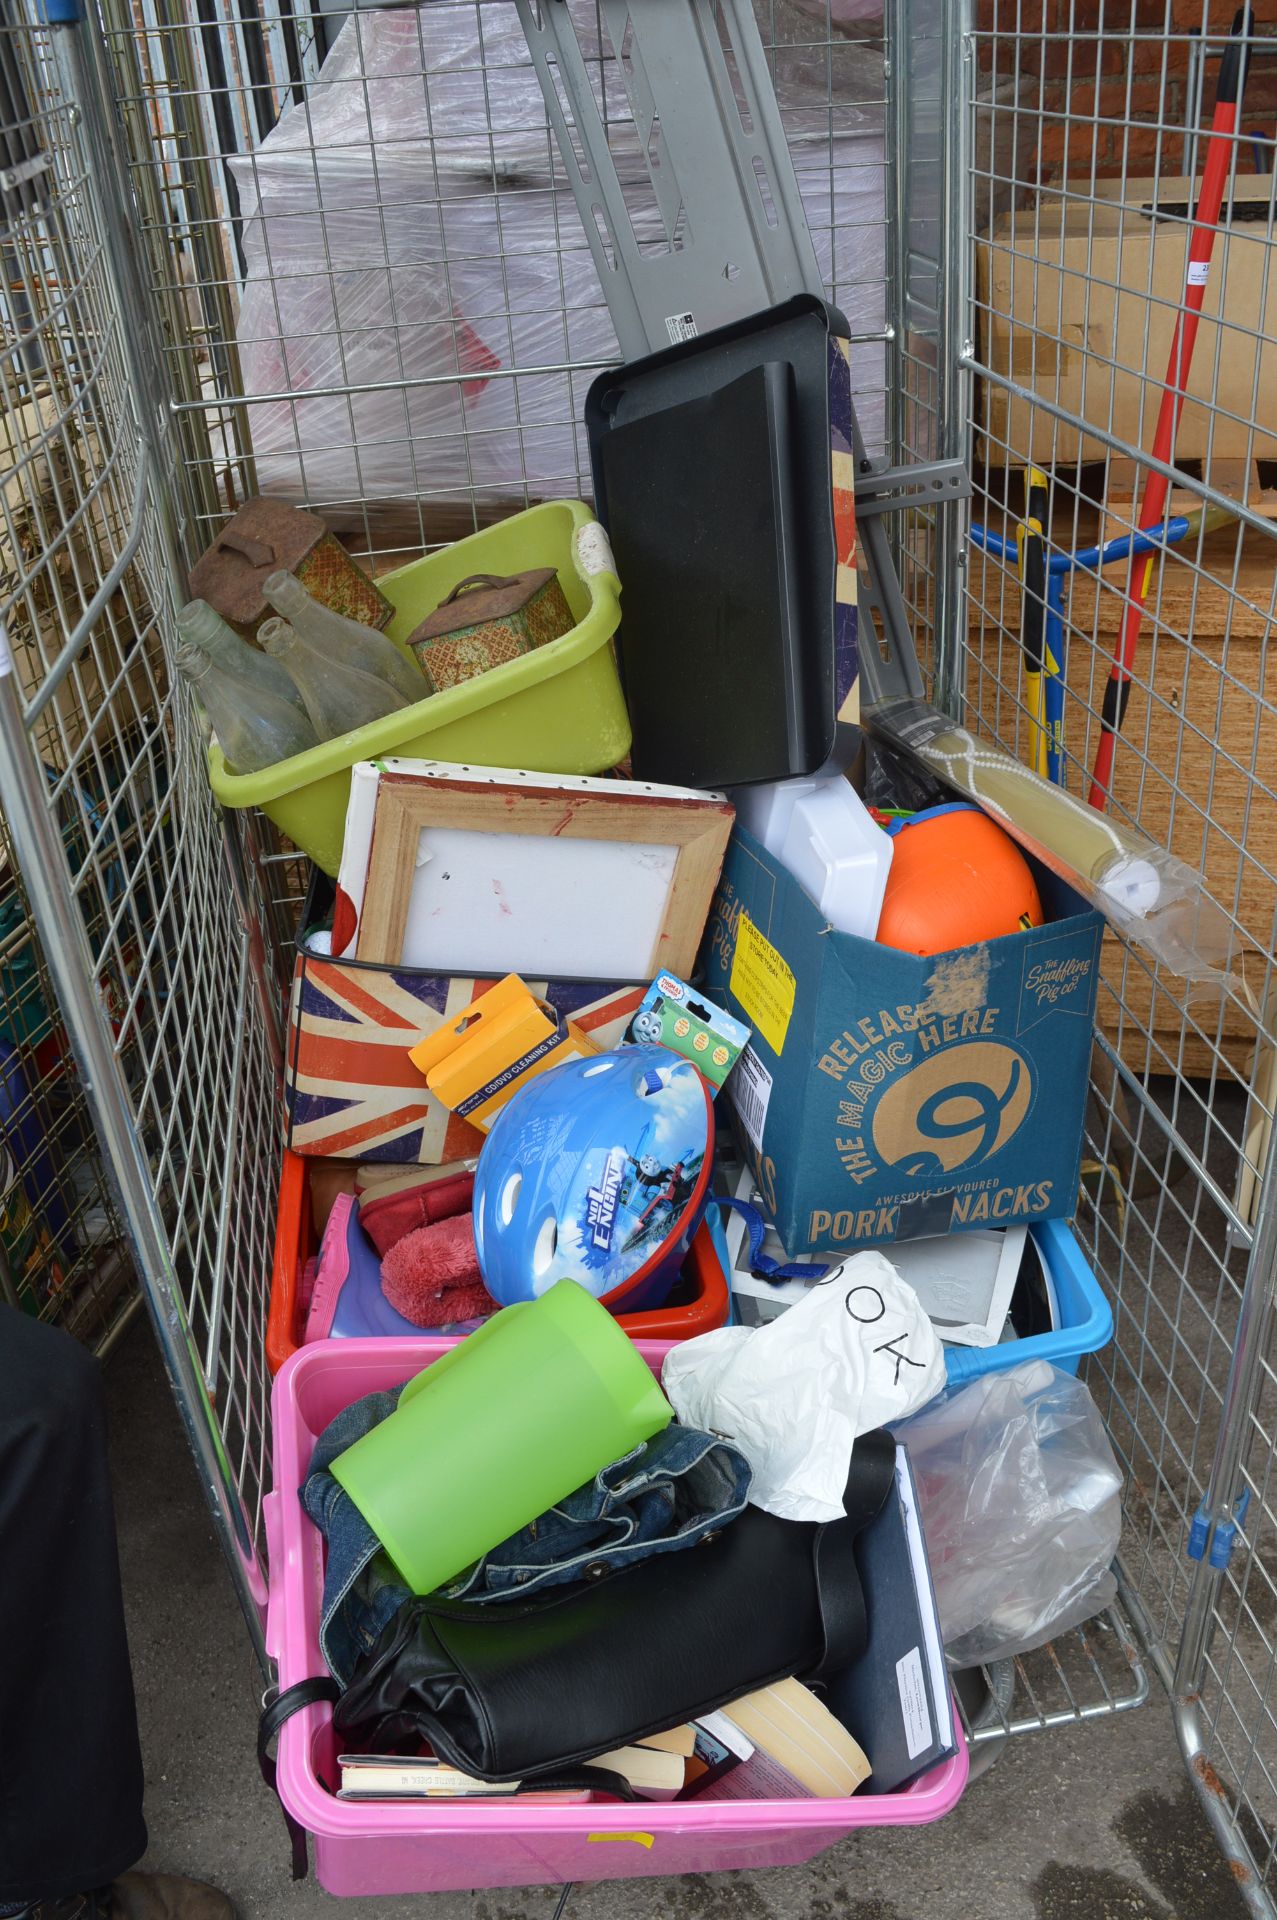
956	879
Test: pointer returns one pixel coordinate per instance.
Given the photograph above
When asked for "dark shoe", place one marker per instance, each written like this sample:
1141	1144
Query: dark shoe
77	1906
139	1896
162	1896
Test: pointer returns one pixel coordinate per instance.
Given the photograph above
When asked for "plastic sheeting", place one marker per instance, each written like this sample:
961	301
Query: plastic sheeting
407	238
1021	1506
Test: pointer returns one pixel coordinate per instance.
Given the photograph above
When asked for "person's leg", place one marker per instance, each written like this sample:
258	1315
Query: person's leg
70	1765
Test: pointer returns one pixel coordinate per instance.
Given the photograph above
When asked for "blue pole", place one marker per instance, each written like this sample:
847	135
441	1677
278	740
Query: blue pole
1055	636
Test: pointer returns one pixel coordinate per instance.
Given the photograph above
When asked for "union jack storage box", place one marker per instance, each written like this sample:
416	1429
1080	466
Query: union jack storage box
352	1092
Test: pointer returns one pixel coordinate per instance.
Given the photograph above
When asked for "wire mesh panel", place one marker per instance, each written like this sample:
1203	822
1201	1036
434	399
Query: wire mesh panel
1094	1671
65	1256
1088	257
333	257
377	293
145	955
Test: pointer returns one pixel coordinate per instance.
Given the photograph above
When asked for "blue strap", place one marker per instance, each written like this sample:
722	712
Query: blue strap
931	813
759	1262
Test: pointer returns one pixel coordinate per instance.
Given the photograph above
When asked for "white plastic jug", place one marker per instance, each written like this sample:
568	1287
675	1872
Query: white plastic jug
839	855
822	832
766	811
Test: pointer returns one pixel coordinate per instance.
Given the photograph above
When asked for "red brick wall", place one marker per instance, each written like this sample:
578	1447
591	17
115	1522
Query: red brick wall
1103	83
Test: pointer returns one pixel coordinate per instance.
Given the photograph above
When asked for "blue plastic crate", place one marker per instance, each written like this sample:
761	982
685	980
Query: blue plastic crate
1086	1319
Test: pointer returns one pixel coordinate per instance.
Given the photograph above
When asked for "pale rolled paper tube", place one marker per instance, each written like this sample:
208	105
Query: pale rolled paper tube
1149	894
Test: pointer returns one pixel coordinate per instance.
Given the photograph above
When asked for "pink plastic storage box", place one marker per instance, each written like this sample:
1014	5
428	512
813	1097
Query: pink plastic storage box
418	1848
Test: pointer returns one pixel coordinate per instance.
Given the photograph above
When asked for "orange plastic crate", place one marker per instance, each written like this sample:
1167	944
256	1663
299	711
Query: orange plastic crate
295	1243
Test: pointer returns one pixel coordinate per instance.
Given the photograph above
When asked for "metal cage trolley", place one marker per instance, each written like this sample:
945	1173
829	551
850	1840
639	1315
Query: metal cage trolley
338	255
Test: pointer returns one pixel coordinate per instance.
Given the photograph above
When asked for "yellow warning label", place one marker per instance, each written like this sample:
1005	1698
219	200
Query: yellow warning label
639	1839
763	983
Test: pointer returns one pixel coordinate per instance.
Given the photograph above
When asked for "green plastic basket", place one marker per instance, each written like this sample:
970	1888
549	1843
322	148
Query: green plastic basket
556	710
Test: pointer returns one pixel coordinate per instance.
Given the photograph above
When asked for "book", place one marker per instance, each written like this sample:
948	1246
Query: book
964	1281
654	1775
720	1747
375	1776
673	1740
895	1699
797	1750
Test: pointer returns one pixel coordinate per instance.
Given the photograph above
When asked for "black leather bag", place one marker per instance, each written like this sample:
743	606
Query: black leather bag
506	1691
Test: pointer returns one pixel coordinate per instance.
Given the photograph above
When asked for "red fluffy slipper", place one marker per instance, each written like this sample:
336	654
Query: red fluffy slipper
432	1276
387	1218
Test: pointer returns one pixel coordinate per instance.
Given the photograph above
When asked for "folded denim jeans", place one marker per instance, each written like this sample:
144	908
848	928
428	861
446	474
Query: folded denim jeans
680	1487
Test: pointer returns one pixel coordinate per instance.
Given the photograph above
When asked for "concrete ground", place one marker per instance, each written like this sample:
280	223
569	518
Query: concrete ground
1086	1823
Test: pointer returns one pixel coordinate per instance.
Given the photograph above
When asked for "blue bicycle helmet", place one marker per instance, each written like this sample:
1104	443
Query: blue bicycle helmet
597	1172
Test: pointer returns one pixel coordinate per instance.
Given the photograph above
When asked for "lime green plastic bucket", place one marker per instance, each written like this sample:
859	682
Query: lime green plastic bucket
516	1417
558	709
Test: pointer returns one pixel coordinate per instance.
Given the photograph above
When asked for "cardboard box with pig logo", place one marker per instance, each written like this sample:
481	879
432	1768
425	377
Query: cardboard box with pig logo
885	1096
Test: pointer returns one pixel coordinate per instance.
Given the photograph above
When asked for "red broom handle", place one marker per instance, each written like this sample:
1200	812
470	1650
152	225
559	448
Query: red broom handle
1219	149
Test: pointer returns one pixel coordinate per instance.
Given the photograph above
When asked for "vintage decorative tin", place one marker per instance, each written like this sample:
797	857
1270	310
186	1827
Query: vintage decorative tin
487	619
267	534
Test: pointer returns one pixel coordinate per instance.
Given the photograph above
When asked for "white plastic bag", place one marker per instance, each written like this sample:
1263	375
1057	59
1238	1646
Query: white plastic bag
793	1394
1021	1506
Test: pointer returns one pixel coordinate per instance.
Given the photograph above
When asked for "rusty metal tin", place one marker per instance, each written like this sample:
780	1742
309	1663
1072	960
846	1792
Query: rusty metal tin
266	534
488	619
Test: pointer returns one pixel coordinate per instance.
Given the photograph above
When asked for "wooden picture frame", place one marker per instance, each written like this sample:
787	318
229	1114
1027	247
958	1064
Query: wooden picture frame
627	815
